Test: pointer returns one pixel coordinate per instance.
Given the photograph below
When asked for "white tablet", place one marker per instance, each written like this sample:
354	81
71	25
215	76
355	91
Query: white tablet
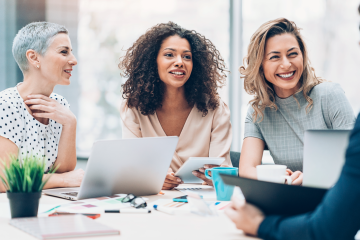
194	163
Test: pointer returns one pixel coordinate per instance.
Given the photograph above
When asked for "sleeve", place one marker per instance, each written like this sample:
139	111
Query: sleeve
251	128
339	111
11	124
221	134
337	217
130	122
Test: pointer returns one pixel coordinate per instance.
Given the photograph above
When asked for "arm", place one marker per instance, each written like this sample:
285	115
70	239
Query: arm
251	155
130	122
50	108
70	179
221	134
7	148
339	111
220	140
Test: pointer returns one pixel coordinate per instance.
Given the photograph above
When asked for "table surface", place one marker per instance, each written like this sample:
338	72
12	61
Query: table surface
156	225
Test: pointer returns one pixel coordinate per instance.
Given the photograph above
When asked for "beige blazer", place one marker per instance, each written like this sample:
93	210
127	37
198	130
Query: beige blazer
208	136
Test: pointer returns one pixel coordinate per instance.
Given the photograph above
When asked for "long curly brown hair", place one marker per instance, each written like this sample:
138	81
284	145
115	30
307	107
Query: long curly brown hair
144	90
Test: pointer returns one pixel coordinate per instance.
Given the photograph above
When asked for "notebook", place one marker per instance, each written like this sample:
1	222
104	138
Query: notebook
62	227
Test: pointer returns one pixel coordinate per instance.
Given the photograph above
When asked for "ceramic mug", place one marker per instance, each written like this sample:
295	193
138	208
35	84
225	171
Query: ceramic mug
223	191
273	173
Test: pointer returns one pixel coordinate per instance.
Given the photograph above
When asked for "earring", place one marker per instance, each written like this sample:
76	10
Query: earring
38	66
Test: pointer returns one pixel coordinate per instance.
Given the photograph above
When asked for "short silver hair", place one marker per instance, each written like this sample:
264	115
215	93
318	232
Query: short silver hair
36	36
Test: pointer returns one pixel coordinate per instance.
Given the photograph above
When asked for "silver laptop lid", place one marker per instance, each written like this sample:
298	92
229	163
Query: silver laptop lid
137	166
324	156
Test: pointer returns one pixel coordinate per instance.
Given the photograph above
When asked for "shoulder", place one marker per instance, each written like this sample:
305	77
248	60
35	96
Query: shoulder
327	88
10	100
60	99
220	111
128	114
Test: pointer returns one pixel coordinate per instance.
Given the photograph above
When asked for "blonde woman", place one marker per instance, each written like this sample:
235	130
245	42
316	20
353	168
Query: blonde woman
288	99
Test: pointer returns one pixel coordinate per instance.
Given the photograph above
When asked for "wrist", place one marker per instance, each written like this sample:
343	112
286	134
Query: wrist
71	122
257	221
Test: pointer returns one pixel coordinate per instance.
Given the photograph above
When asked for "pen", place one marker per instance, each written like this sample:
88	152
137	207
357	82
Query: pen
129	211
164	209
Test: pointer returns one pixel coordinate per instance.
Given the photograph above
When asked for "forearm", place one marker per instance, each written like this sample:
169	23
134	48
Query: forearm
66	159
247	171
55	181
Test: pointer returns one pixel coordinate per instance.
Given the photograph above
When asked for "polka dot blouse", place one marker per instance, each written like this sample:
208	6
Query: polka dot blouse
31	136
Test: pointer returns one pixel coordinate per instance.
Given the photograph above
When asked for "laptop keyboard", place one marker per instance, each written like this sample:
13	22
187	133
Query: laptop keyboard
71	193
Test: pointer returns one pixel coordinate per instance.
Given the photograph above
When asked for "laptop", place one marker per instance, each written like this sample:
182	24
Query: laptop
138	166
324	156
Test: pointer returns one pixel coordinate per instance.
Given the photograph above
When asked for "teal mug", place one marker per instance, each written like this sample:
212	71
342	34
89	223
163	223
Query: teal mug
223	191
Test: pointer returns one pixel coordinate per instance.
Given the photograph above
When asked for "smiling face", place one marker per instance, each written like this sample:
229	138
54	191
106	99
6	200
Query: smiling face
58	61
283	64
174	61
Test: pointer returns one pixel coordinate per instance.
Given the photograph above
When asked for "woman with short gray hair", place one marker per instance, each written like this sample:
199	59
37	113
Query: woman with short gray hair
34	121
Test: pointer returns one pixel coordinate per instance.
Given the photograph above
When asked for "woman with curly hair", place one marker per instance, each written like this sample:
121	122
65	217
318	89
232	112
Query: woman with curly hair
288	99
173	77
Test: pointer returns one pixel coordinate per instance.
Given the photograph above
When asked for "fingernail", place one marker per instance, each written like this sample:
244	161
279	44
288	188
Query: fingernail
194	173
206	166
179	180
202	170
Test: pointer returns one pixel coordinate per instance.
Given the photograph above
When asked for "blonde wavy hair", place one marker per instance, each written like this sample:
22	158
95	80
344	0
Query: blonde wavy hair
253	74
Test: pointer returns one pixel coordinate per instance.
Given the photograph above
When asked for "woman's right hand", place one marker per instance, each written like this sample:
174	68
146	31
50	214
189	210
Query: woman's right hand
72	178
171	181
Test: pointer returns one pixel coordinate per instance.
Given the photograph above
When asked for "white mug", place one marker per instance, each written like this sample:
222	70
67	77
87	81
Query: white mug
273	173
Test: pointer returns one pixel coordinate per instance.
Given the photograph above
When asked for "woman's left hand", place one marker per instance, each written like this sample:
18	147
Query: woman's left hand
246	216
201	173
296	177
46	107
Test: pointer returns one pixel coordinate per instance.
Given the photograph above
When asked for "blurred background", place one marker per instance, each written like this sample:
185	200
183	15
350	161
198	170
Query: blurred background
101	30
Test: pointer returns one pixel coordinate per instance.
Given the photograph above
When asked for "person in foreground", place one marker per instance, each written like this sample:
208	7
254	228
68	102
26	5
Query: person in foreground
289	99
337	216
173	76
34	120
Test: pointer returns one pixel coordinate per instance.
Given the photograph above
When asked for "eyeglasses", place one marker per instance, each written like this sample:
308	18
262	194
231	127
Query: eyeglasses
136	202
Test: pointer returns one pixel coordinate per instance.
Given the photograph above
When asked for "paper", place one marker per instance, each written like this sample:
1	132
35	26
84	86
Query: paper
94	205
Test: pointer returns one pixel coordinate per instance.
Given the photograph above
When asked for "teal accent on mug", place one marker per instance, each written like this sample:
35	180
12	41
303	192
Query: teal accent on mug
223	191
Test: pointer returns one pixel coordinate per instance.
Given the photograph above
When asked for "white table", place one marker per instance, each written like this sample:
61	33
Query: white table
156	225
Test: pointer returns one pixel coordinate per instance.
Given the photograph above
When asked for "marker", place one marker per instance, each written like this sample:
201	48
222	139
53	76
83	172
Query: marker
129	211
164	209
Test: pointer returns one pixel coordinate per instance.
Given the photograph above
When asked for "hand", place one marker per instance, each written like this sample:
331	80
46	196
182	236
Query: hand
246	216
296	177
201	173
171	181
72	178
45	107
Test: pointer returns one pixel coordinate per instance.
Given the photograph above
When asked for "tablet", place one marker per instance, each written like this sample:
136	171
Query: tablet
276	198
194	163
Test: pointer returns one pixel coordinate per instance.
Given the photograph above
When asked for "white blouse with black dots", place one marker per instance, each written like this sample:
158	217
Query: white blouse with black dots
31	136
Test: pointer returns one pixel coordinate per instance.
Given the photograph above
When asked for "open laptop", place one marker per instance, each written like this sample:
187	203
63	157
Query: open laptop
324	156
138	166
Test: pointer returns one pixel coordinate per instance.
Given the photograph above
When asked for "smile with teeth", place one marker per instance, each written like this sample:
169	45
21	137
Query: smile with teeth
67	71
286	75
178	73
